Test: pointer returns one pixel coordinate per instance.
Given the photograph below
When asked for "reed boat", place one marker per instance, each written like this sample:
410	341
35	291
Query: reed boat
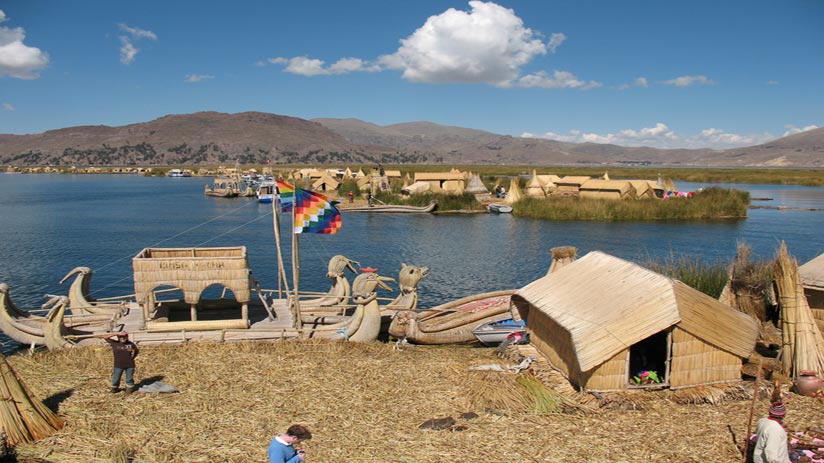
454	321
394	208
334	301
80	299
26	328
364	324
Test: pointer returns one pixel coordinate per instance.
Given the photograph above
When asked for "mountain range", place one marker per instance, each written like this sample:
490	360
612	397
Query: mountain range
261	138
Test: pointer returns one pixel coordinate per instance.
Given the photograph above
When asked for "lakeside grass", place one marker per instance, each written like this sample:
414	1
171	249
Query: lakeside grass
712	203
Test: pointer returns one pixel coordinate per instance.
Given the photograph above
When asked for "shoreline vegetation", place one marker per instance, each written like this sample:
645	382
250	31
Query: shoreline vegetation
712	203
749	175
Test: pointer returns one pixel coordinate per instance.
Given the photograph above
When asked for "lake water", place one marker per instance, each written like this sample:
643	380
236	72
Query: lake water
53	223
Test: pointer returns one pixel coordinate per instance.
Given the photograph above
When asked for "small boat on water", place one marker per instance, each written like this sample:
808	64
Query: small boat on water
499	208
177	173
266	192
397	208
494	333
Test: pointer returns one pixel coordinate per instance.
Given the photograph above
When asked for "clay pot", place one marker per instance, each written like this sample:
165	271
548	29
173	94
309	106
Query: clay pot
808	383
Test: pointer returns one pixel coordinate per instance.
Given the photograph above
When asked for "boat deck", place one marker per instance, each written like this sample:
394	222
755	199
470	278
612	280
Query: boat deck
261	327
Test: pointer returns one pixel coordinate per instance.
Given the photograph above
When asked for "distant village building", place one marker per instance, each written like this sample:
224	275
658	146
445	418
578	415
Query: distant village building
606	189
442	182
570	184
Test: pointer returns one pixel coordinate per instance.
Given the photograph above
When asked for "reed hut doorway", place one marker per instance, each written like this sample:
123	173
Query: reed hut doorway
649	360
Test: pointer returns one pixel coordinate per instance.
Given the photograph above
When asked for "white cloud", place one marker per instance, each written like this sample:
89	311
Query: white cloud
191	78
661	136
555	41
137	33
8	106
17	59
128	51
638	82
488	44
773	82
687	81
558	79
792	130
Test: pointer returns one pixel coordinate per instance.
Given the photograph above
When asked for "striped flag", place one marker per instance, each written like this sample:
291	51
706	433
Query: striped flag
286	195
315	213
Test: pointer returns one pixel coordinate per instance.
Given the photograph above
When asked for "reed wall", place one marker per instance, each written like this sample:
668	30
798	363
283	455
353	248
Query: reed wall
695	362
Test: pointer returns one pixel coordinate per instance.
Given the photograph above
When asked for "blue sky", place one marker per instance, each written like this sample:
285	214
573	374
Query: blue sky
638	73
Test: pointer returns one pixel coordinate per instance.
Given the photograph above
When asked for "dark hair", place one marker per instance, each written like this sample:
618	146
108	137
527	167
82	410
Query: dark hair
299	431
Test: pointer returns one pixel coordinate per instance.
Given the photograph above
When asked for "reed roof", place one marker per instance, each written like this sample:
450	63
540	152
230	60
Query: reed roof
622	186
812	273
573	180
608	304
429	176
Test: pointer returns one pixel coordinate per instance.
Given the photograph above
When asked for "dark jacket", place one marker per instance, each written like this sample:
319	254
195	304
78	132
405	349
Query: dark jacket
124	353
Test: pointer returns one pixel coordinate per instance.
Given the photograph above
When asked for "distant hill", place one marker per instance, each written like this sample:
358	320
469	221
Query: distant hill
259	138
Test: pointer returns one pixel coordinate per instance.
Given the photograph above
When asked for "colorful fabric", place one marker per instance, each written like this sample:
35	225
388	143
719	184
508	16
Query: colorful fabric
778	410
315	213
286	195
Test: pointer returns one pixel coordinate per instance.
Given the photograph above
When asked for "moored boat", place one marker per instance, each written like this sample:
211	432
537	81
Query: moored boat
494	333
178	173
499	208
394	208
266	192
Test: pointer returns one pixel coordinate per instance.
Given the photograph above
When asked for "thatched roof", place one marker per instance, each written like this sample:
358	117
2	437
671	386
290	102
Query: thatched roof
623	187
608	304
514	194
330	183
812	273
572	180
476	186
430	176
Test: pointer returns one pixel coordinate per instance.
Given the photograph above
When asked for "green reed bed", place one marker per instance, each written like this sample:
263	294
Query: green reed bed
712	203
707	277
446	202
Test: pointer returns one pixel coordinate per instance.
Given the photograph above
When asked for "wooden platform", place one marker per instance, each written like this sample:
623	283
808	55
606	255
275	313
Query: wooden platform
261	327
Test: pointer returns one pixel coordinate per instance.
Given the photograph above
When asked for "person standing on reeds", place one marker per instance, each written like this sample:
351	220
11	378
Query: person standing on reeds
282	450
771	442
124	353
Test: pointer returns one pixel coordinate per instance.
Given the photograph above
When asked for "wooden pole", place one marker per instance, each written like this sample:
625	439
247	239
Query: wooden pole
276	223
752	409
297	323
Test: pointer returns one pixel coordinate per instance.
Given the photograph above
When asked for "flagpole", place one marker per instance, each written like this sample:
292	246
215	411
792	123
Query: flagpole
276	222
298	323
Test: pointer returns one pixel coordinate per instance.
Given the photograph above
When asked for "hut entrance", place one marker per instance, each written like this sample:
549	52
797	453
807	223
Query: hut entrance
649	361
217	302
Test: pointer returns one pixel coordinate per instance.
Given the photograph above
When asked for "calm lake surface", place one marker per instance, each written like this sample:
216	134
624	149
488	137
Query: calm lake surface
53	223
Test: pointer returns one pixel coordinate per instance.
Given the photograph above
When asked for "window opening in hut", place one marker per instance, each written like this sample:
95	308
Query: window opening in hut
168	300
218	302
648	361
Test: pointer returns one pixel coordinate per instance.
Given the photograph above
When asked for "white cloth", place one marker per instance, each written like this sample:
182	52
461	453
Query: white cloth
771	442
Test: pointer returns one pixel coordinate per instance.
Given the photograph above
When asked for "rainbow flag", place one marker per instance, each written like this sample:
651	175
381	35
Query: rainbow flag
315	213
286	195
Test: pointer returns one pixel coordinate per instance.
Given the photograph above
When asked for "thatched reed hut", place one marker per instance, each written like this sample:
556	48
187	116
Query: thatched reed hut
476	186
325	183
644	188
607	189
443	182
812	278
570	184
192	270
600	320
534	187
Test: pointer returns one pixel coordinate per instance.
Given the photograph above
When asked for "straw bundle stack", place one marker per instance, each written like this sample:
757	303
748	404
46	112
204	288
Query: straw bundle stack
561	256
514	194
802	343
23	418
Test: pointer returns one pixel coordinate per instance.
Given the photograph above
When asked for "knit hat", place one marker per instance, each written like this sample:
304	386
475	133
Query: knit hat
777	410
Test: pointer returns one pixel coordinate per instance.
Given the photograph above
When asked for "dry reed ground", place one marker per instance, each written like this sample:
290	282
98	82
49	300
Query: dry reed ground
363	403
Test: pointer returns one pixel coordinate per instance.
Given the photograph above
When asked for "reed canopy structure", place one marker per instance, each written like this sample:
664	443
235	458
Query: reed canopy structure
601	320
812	279
192	271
